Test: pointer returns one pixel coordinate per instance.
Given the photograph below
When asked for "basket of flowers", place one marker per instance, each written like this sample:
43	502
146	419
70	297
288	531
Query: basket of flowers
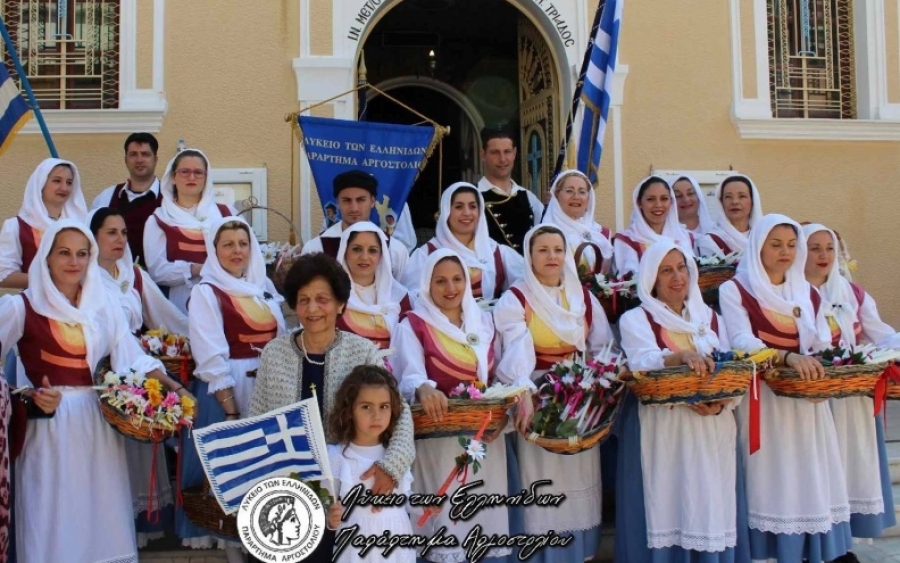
679	385
137	407
467	405
713	272
173	350
849	372
615	295
279	257
576	403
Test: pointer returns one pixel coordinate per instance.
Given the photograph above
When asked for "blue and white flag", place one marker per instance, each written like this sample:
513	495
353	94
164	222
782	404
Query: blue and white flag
590	119
238	454
14	110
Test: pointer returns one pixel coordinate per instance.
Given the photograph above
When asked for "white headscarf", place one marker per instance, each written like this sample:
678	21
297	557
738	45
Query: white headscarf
481	255
172	214
706	222
700	324
641	232
568	325
34	212
253	283
752	275
583	229
124	283
837	293
735	239
474	331
48	301
384	280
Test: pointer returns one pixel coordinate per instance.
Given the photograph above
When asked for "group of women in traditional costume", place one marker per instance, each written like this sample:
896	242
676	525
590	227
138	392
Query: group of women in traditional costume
690	483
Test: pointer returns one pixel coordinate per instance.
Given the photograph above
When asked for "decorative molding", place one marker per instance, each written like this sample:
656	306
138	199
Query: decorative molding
66	121
818	129
320	78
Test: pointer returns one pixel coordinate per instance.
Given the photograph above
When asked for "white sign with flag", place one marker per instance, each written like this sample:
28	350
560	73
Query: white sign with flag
237	454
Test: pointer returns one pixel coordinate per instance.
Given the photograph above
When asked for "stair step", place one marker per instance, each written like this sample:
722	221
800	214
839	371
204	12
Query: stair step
183	556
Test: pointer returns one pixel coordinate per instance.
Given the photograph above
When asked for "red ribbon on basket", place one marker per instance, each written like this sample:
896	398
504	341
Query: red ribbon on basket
183	372
455	471
891	373
755	437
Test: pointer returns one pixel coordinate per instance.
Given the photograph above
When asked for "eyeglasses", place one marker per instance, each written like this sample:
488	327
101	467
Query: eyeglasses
571	192
188	172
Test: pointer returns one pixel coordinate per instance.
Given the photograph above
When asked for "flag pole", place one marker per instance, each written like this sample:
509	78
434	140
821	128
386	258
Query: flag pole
579	85
14	55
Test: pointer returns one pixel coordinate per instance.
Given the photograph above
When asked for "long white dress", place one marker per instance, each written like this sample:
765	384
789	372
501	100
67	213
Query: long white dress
348	463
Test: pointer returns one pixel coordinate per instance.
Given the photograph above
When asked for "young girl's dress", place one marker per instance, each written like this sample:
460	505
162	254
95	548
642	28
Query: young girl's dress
348	463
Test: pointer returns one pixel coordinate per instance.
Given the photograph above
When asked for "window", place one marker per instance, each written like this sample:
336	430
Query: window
69	49
811	59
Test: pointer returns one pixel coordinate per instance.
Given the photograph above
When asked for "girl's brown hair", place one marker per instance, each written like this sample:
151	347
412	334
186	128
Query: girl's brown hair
340	423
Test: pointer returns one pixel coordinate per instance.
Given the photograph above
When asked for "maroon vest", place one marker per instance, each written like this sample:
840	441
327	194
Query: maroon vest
658	330
189	246
29	240
780	338
43	353
331	245
440	366
636	246
499	281
135	213
242	333
723	246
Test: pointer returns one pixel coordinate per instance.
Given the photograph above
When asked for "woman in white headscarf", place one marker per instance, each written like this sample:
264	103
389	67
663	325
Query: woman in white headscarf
545	318
462	228
174	234
654	215
376	299
234	313
446	340
53	192
692	211
571	208
74	463
144	305
853	319
677	467
796	488
739	209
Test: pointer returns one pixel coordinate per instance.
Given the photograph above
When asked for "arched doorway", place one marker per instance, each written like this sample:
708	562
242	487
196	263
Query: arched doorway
493	55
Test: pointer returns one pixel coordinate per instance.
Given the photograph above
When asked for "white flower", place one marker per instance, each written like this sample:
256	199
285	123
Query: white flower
475	450
154	345
568	379
136	379
604	383
111	378
568	364
587	382
172	351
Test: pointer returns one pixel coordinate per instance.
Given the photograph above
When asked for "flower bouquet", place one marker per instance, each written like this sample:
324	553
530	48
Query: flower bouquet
849	372
714	271
679	385
137	406
278	257
467	405
577	402
173	350
615	295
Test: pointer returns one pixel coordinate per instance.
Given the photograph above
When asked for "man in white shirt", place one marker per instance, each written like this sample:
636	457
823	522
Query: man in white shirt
139	196
511	210
355	193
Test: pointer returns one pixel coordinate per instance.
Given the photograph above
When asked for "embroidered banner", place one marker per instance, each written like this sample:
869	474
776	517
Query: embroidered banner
394	154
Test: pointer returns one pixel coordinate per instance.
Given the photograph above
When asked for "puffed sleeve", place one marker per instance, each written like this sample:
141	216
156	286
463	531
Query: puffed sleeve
639	343
600	333
413	272
208	343
737	321
706	246
12	311
159	311
518	359
399	258
625	257
409	367
873	328
724	338
160	268
513	263
124	351
311	246
405	232
10	248
401	450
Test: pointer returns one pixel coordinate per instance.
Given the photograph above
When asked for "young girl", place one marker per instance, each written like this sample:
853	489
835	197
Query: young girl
366	409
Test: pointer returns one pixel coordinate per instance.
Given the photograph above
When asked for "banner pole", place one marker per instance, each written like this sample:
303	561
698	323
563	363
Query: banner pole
14	55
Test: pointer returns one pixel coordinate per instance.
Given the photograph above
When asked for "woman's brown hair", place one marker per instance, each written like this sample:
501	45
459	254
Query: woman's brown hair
341	420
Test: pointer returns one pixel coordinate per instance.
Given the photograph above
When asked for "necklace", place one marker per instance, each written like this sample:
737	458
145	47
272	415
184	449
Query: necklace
306	355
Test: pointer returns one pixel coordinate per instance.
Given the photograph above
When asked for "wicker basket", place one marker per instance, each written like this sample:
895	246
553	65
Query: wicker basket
142	431
679	385
615	308
277	272
839	382
893	391
463	417
576	444
711	277
202	508
179	367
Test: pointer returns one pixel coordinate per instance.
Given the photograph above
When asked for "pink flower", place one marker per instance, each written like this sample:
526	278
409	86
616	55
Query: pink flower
474	393
170	401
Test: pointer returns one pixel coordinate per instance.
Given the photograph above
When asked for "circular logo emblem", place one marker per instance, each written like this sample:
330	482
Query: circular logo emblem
281	519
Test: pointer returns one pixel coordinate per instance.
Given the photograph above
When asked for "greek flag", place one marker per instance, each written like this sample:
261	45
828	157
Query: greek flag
590	119
14	110
236	455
